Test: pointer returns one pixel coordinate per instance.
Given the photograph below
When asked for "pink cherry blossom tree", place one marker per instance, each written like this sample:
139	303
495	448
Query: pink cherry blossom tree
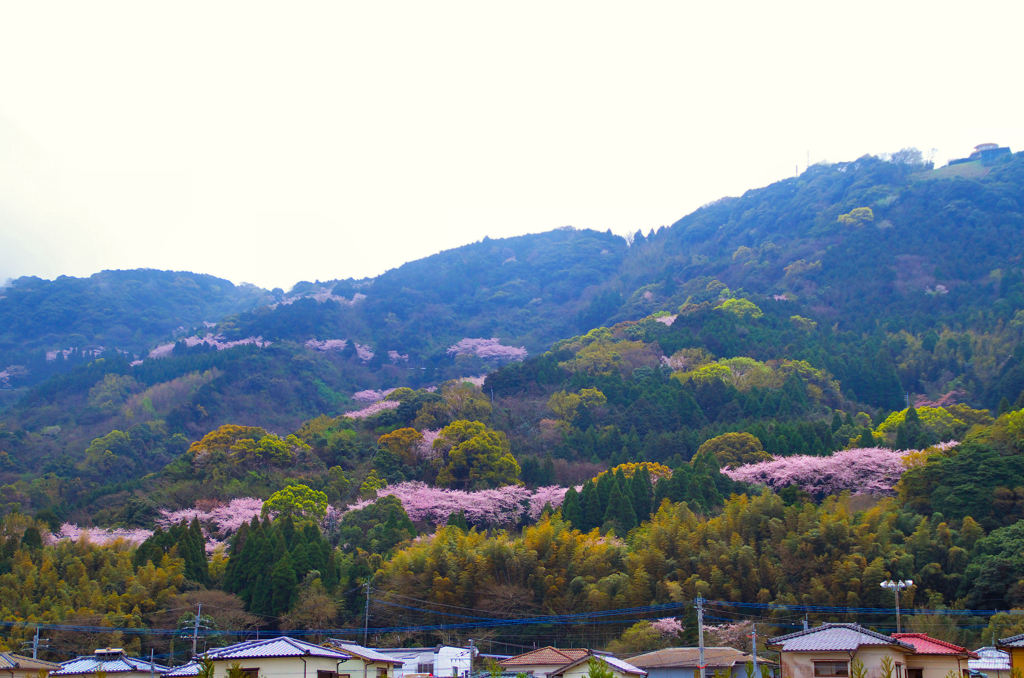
862	470
503	506
487	348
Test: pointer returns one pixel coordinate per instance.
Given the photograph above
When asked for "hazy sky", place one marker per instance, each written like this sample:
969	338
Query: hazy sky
277	142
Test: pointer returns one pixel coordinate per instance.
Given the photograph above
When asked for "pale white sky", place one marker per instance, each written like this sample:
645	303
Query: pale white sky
277	142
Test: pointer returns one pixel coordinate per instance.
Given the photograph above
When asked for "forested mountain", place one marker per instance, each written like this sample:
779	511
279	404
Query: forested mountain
717	408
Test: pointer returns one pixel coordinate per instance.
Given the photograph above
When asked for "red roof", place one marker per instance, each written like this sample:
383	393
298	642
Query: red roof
547	656
925	644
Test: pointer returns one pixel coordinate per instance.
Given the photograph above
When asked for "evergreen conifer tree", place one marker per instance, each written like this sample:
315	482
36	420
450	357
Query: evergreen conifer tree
642	493
590	505
572	512
620	514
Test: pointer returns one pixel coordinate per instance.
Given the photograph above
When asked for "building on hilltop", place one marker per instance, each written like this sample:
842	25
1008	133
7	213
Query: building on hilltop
985	153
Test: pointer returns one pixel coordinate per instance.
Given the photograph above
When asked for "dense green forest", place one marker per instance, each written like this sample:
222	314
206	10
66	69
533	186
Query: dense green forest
555	424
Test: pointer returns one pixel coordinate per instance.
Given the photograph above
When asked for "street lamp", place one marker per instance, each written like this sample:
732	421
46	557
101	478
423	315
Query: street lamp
896	587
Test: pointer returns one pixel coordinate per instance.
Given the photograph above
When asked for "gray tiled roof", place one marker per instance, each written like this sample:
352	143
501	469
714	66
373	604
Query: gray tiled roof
990	659
1012	641
366	653
274	647
833	638
183	671
119	664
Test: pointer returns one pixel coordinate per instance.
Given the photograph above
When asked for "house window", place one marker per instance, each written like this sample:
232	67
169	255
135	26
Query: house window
330	674
915	673
831	669
427	669
250	673
382	673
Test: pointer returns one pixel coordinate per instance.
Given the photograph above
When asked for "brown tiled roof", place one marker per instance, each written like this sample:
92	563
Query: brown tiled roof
689	657
547	656
925	644
9	660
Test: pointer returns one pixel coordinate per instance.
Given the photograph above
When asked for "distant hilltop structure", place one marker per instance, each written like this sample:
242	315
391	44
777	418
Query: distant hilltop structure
986	153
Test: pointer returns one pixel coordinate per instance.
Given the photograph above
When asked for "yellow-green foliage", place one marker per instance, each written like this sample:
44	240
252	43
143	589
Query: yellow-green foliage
746	373
87	582
600	352
743	308
655	470
858	216
940	423
567	405
757	549
734	449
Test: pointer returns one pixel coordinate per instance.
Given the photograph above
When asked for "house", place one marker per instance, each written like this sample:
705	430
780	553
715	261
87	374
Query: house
443	660
993	662
1014	645
364	662
109	660
684	662
827	651
551	662
934	658
281	657
581	668
16	666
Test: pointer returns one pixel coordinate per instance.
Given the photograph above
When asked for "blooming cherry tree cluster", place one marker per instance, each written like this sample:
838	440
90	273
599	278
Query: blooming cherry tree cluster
668	626
862	470
321	296
373	409
371	395
496	507
425	448
100	535
217	341
222	519
487	348
327	344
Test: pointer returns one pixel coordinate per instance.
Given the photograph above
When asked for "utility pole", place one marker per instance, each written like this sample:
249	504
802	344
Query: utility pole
700	636
366	613
36	643
753	645
195	627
